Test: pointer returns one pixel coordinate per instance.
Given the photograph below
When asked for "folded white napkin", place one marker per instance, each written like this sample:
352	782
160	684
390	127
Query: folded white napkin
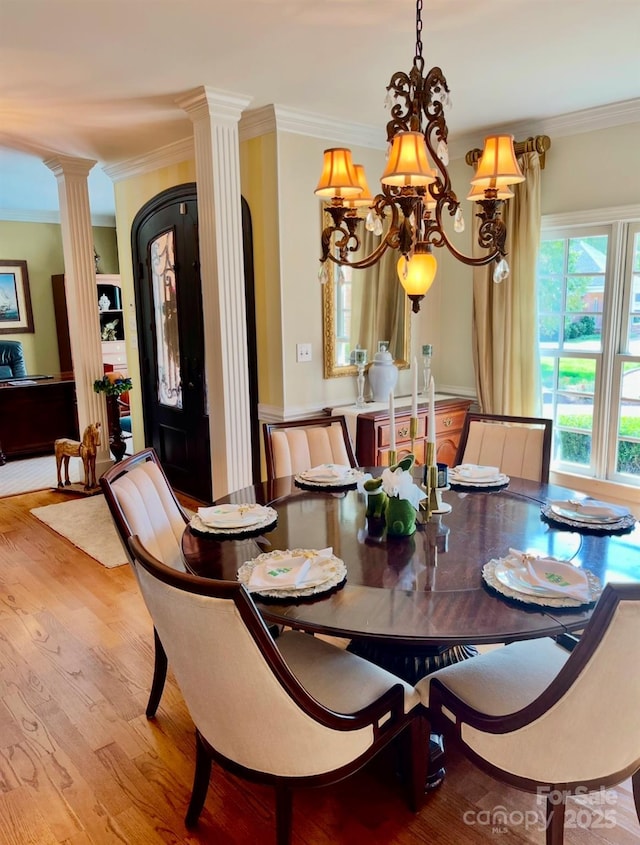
555	576
289	572
326	472
231	516
592	508
474	472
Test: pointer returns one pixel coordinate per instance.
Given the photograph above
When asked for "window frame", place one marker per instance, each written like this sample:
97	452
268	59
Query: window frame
620	224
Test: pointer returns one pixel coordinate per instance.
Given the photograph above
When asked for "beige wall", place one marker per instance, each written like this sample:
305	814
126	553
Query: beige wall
40	245
305	389
583	172
131	195
260	188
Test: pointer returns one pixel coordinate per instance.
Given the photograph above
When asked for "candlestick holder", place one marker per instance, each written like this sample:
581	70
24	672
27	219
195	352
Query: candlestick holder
393	457
413	432
427	351
360	360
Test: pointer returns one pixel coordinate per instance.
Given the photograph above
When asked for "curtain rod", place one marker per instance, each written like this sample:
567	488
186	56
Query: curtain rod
538	144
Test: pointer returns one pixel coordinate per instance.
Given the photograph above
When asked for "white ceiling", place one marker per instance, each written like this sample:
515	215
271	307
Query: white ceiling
99	78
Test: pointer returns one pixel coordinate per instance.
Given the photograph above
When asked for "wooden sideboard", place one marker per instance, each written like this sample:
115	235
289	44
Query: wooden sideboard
34	414
373	433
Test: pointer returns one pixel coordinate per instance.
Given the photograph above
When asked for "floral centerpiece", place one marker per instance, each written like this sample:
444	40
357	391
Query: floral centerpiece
396	496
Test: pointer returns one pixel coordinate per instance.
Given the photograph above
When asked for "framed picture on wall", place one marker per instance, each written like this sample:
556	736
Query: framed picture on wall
16	316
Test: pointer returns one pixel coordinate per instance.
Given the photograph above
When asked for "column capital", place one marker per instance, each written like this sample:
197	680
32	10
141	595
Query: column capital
63	165
206	103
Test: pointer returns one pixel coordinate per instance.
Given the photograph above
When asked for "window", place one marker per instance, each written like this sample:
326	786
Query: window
589	343
343	291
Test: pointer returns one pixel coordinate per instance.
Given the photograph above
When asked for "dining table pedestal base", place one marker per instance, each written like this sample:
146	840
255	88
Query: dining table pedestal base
411	663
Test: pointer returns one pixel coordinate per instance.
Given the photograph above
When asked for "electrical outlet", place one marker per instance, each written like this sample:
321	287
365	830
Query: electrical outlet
303	352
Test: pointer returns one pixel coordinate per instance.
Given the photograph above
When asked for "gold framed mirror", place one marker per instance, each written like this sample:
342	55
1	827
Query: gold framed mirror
361	308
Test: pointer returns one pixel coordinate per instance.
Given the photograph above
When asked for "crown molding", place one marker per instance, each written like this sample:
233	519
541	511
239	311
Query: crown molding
174	153
272	118
573	123
593	217
18	215
275	118
205	102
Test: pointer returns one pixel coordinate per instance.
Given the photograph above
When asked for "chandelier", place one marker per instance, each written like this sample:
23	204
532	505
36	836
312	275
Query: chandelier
416	197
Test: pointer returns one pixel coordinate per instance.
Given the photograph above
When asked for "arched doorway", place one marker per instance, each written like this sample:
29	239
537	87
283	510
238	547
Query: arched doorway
171	337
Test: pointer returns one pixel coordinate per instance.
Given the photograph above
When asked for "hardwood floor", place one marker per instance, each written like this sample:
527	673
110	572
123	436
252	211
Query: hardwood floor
80	763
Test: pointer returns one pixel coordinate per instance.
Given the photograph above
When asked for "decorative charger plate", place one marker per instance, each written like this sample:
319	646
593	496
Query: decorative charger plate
571	514
506	576
334	571
501	480
348	481
251	519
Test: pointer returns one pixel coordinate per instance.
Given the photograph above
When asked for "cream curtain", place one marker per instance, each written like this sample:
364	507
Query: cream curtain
505	316
382	300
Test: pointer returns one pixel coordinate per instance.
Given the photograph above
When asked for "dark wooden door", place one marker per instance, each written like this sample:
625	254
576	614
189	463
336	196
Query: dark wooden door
171	338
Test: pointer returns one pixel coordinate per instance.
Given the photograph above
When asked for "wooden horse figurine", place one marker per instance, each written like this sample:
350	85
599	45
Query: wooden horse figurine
86	450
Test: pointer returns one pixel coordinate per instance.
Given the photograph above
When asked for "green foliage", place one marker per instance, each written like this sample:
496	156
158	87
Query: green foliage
580	328
112	388
629	457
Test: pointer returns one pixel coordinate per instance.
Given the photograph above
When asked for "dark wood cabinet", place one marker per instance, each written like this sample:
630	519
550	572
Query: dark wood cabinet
373	433
33	416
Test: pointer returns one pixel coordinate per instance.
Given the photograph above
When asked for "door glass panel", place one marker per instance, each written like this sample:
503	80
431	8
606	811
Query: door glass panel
165	311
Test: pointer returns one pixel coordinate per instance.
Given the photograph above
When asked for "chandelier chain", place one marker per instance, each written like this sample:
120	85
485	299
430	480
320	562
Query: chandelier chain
418	60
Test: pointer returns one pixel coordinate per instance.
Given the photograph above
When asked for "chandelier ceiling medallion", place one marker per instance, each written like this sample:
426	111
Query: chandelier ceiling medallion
416	197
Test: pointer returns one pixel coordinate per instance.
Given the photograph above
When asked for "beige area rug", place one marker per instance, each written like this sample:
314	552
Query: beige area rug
30	474
86	523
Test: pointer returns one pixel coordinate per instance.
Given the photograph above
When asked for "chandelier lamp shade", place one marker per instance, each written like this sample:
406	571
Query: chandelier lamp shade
416	193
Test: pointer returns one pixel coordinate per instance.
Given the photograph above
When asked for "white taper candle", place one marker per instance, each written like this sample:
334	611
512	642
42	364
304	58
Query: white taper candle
392	423
414	393
431	421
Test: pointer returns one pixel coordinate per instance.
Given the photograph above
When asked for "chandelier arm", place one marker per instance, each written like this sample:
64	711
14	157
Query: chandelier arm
390	241
342	244
480	261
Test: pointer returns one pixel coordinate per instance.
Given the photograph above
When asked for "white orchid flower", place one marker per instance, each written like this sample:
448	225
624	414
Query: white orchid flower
400	483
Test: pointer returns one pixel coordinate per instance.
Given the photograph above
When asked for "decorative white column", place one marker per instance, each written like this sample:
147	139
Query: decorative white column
215	117
81	292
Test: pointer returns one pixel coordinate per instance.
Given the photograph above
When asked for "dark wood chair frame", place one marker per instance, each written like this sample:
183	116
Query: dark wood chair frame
472	416
311	422
124	531
440	697
412	728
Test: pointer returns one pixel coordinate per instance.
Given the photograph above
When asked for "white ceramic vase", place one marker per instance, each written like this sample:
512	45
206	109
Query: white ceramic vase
383	376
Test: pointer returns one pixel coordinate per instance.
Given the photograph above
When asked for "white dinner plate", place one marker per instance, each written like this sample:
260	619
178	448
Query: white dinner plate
590	512
233	516
329	572
511	573
498	481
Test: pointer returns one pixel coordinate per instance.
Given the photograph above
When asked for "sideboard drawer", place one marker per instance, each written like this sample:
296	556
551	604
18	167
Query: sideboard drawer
449	421
419	453
402	427
373	429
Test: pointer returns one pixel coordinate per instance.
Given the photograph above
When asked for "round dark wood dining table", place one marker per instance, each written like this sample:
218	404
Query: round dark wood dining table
423	592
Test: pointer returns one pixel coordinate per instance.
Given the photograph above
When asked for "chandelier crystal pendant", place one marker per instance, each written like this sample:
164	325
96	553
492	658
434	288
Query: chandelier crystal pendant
416	188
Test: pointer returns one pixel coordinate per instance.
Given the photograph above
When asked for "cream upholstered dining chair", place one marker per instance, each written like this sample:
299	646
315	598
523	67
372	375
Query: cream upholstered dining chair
518	446
142	502
292	447
294	711
548	721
